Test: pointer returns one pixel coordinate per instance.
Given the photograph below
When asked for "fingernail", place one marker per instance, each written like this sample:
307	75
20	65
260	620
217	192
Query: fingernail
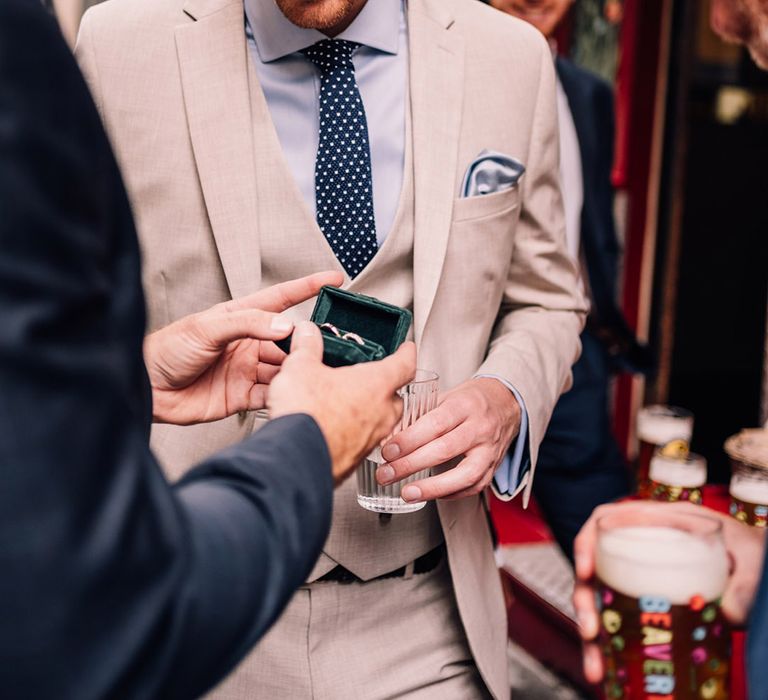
592	662
583	621
411	493
280	324
385	474
306	328
391	452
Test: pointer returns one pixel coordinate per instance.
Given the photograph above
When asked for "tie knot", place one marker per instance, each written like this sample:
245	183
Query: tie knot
331	54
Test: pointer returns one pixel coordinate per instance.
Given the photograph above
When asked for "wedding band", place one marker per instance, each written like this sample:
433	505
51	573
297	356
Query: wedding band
330	327
353	336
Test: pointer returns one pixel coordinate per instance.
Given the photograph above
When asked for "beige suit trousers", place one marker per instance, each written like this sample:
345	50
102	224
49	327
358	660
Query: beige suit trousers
321	654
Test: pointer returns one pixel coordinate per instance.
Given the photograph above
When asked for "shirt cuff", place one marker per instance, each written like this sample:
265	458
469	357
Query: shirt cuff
513	473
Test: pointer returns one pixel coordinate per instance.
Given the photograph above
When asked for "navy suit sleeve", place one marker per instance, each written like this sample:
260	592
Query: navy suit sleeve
112	583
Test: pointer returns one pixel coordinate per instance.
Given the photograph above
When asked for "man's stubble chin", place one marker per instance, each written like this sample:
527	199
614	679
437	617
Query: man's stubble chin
316	14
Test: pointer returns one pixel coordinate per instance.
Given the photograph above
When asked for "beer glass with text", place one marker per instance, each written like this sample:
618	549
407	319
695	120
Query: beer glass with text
661	427
659	585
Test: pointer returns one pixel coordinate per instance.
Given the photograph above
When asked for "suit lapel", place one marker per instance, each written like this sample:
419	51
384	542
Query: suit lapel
436	90
213	57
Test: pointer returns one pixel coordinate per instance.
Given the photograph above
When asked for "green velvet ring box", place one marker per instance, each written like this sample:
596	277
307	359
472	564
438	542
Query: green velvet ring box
374	329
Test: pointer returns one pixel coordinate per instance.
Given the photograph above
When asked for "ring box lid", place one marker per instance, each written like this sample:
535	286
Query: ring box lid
382	327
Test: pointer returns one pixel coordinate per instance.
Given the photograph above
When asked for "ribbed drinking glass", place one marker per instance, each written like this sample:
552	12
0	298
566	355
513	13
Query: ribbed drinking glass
419	397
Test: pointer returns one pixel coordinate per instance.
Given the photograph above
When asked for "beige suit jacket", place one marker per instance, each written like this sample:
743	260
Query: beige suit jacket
494	289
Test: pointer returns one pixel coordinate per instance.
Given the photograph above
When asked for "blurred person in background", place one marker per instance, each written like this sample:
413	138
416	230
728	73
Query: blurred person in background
580	463
746	598
113	583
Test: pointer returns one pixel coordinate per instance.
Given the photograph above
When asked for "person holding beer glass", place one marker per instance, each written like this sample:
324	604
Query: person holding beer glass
668	577
745	595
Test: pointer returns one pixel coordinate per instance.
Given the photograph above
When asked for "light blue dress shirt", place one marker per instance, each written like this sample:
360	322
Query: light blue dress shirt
291	87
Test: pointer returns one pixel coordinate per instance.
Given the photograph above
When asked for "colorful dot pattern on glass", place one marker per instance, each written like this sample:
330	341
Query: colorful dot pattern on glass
750	513
664	492
343	182
656	650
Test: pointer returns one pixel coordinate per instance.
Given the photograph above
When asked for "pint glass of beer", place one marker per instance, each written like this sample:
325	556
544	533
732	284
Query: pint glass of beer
661	427
419	397
659	585
749	476
677	479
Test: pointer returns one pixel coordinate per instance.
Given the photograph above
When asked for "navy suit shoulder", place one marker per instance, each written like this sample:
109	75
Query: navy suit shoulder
584	78
591	93
113	583
591	102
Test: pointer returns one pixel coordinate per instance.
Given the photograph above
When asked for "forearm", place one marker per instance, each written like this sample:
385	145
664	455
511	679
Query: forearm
156	589
257	517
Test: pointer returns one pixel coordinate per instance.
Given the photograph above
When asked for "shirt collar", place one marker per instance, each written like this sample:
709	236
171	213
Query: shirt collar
377	26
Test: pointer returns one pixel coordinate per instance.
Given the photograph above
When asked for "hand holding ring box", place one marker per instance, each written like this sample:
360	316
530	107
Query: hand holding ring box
358	328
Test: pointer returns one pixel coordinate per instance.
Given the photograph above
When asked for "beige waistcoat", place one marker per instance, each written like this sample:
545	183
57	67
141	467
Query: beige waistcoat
360	540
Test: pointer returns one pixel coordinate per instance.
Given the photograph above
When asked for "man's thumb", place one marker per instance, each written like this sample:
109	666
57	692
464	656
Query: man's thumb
307	341
400	368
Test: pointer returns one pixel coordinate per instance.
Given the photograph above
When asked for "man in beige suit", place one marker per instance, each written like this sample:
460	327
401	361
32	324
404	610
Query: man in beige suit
240	129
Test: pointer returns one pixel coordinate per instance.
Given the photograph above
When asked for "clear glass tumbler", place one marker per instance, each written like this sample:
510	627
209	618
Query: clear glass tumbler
419	397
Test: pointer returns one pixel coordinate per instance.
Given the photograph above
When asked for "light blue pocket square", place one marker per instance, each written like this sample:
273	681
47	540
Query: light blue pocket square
491	172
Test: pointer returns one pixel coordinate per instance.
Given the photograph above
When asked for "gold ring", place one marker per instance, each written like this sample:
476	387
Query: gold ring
330	327
353	336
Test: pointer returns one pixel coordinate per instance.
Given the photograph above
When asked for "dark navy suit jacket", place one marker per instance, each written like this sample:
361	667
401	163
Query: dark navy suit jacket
112	583
591	101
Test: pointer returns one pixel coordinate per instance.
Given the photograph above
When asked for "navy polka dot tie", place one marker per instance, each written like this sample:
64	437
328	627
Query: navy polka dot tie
343	186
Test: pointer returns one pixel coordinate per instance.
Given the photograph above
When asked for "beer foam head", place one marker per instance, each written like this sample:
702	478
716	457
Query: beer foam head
688	473
749	447
662	561
750	490
659	425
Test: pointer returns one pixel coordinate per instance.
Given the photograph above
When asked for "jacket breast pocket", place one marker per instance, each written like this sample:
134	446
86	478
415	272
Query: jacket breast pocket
485	205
